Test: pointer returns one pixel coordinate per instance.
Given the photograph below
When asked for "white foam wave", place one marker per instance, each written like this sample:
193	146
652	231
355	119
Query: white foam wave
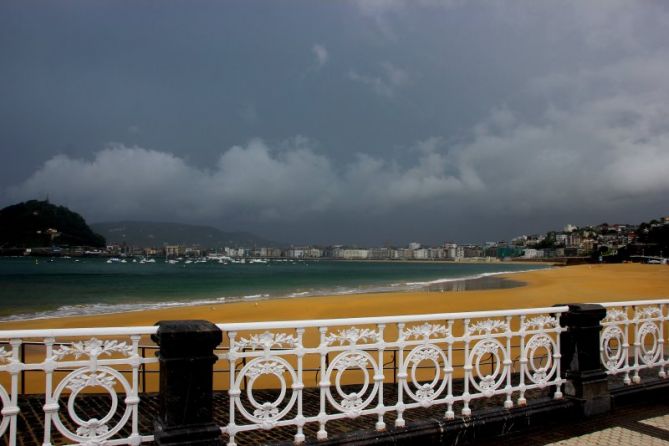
458	279
103	308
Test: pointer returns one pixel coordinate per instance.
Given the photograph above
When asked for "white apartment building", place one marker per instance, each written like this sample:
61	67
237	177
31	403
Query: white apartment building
355	254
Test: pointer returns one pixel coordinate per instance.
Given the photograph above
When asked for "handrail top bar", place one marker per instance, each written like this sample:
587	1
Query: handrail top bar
239	326
630	303
77	332
269	325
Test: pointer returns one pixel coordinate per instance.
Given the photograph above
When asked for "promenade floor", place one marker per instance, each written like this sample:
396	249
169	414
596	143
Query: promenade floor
638	424
644	423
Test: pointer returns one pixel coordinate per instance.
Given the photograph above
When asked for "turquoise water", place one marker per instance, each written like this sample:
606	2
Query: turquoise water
31	288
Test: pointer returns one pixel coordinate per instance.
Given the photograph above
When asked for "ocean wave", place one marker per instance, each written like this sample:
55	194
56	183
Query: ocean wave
104	308
461	278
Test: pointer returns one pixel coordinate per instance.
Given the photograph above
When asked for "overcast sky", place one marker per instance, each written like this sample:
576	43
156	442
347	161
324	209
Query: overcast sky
339	122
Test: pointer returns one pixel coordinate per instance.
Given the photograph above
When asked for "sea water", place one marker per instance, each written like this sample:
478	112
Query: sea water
33	288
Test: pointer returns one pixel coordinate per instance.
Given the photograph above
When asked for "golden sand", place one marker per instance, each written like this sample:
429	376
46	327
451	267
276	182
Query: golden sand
583	283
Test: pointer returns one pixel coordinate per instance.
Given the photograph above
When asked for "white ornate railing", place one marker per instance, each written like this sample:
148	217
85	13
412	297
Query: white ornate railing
91	359
633	337
353	351
294	373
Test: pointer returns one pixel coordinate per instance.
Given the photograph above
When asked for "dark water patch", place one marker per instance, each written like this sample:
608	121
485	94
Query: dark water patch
481	283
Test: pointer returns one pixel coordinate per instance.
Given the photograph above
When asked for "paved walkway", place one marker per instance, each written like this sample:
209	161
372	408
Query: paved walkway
639	424
633	425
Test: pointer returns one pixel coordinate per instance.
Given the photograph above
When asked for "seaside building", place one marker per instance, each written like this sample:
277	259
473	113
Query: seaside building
379	253
405	253
172	250
192	252
531	253
296	253
471	251
449	250
355	254
421	254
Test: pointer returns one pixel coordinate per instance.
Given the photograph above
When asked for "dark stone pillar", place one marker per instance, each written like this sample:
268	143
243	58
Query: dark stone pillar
186	383
587	381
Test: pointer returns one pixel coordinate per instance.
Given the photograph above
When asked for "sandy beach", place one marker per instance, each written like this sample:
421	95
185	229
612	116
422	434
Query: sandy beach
583	283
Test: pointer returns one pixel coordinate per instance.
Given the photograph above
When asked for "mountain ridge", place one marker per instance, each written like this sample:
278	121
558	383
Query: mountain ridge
156	234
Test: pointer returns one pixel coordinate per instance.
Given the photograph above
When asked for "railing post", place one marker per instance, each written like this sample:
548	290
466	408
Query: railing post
580	361
186	383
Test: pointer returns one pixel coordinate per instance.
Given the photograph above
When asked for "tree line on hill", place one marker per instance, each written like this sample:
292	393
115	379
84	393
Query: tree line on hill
38	223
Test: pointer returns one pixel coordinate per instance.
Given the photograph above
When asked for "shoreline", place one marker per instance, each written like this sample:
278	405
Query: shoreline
493	281
544	287
474	281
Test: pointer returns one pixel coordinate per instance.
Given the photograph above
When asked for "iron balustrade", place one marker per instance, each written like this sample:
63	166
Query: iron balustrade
505	353
390	365
633	337
279	351
89	362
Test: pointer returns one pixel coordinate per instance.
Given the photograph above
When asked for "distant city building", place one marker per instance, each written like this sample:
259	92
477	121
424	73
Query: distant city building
421	254
571	242
531	253
355	254
172	251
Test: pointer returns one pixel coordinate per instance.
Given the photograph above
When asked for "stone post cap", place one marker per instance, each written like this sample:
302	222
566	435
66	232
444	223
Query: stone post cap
583	314
187	335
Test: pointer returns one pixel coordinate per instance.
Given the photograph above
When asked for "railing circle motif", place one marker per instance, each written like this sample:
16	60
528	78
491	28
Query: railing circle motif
649	356
487	383
611	346
540	374
428	391
268	413
353	402
94	430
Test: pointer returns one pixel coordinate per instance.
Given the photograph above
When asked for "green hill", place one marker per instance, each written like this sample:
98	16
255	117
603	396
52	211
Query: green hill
157	234
37	223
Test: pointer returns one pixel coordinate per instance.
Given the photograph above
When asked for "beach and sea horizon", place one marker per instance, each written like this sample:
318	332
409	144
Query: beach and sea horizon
45	288
442	288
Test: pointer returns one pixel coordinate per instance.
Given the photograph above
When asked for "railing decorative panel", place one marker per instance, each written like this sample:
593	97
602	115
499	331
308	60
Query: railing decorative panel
633	337
503	353
70	363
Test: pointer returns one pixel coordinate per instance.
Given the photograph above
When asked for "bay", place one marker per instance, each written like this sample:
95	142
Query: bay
40	287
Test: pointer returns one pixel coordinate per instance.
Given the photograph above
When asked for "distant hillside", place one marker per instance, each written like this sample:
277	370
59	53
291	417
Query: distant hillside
156	234
39	224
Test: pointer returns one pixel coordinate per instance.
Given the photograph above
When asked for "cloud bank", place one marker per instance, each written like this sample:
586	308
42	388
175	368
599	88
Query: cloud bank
603	150
445	119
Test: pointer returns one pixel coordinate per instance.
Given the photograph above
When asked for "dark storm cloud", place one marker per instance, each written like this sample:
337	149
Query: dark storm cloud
432	121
